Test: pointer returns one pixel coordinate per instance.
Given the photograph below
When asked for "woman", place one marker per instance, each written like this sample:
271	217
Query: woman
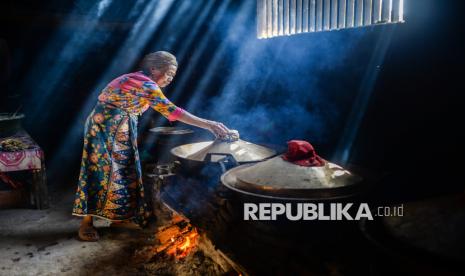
110	182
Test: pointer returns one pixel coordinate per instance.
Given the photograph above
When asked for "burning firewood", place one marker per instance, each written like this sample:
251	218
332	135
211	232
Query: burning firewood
177	240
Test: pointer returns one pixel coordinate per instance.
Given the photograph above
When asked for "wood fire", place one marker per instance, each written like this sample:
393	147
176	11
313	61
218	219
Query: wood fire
178	239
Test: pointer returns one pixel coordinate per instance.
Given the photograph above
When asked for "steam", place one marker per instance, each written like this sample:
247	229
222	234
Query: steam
277	90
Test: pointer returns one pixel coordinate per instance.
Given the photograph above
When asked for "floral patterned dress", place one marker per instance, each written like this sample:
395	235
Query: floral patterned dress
110	182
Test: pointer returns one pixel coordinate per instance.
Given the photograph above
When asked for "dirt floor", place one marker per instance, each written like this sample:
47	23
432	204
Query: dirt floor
44	242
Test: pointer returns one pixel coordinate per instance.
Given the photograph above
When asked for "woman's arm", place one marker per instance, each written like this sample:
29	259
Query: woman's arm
216	128
161	104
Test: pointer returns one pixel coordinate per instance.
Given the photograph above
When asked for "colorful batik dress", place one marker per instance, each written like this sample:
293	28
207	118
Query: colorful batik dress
110	182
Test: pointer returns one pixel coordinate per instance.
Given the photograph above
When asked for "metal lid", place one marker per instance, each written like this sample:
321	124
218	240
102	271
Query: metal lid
171	130
278	178
242	151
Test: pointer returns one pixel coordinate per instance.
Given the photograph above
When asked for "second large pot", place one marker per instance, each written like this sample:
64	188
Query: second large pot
194	157
280	179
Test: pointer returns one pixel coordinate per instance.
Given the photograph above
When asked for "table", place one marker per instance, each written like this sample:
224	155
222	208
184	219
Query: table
31	159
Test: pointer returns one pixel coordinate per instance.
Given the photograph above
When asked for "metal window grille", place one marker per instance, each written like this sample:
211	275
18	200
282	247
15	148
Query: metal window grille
288	17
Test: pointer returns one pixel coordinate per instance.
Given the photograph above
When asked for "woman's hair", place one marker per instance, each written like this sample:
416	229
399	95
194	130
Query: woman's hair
160	60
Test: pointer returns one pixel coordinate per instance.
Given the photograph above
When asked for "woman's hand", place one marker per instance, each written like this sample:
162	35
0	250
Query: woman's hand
224	133
218	129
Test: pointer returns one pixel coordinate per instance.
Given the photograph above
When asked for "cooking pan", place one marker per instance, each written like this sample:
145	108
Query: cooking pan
194	157
276	178
10	123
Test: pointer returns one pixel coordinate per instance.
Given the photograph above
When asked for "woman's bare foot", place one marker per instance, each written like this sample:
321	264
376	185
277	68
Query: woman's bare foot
87	231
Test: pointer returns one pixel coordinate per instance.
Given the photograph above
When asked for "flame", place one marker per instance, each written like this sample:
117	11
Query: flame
185	245
178	239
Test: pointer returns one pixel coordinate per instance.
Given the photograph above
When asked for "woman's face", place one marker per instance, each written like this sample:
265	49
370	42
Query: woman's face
163	78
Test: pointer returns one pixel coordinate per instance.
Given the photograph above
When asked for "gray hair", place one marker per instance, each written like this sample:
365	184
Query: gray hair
159	60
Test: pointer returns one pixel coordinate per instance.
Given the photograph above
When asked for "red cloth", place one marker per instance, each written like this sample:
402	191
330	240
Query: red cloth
302	153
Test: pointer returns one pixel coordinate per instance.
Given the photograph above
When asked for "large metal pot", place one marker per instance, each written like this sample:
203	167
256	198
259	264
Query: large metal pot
194	157
10	124
280	179
165	138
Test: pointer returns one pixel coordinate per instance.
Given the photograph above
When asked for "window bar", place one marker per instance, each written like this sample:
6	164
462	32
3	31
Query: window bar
269	18
377	11
312	18
334	6
367	7
305	10
397	10
319	15
327	14
292	14
358	13
401	11
350	13
286	17
387	11
274	17
280	17
299	17
342	14
261	26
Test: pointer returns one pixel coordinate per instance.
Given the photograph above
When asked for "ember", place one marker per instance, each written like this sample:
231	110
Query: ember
178	239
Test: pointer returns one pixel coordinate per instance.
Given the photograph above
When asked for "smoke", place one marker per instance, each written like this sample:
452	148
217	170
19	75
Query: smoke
285	88
270	90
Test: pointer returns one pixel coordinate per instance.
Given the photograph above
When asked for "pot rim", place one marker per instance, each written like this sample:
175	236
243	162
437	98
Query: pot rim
229	180
173	152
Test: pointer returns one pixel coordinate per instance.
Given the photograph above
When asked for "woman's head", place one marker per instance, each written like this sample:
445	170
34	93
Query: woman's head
161	66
